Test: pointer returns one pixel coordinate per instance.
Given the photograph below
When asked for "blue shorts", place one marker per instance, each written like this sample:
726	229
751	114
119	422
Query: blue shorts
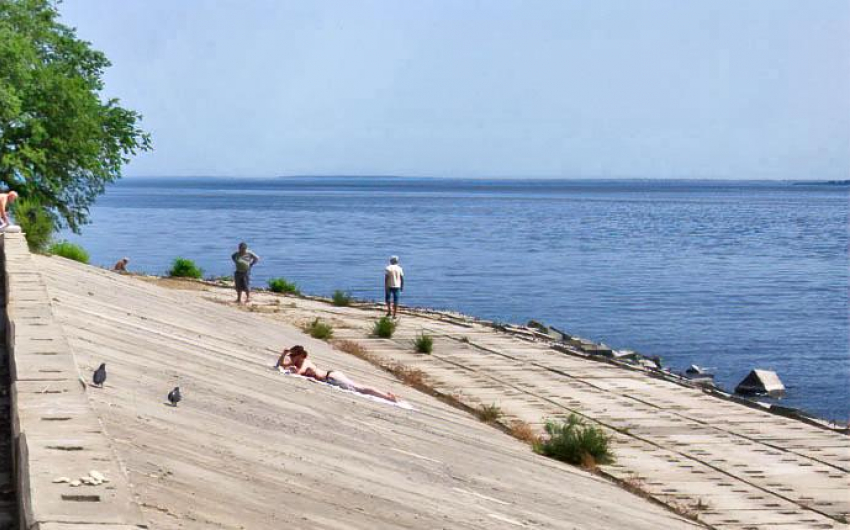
393	292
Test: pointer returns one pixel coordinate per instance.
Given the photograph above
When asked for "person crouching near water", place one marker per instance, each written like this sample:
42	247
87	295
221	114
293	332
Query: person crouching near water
244	260
393	285
295	359
121	265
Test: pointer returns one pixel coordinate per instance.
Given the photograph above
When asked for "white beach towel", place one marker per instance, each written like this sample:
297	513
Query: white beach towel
400	403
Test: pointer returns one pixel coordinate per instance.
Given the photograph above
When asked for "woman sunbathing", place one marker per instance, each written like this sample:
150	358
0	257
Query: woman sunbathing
295	359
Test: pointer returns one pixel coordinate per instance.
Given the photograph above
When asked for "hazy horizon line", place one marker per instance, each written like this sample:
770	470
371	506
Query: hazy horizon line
499	177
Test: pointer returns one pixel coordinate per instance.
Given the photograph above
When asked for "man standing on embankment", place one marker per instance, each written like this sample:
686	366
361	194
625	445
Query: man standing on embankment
393	285
245	261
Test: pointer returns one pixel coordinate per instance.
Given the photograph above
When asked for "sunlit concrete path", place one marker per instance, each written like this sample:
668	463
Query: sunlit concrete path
251	448
728	464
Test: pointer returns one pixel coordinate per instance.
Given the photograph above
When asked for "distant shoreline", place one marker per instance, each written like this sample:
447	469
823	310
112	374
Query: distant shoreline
823	183
516	178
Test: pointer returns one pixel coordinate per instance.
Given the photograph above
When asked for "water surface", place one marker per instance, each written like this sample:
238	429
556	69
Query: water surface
728	275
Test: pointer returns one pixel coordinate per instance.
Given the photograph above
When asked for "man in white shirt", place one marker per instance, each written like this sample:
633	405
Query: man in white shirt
393	285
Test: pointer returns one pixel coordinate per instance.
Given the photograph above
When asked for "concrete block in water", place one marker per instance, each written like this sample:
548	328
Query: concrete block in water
626	355
761	382
597	349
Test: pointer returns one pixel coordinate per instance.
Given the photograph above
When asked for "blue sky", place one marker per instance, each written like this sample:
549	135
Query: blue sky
497	88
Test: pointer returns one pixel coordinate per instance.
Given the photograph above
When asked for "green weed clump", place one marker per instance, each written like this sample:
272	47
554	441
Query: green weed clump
424	343
70	251
320	330
489	413
384	328
341	298
35	221
185	268
282	285
576	442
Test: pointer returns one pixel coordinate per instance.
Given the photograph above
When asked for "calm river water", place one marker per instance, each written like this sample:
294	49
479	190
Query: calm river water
727	275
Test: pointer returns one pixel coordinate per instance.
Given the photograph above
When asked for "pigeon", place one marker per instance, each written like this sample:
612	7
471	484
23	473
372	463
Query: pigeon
99	376
174	396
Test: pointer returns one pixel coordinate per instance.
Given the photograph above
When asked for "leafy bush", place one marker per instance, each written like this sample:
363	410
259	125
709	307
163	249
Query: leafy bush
341	298
35	221
424	343
70	251
281	285
185	268
576	442
489	413
319	330
384	328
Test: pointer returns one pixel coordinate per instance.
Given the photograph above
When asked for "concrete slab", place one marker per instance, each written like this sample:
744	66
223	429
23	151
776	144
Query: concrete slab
57	437
251	448
666	434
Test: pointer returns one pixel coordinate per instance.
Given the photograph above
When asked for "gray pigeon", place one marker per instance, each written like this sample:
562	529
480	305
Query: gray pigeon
174	396
99	376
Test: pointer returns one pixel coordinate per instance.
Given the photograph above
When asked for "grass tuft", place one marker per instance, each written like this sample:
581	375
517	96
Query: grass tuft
282	285
341	298
424	343
384	328
523	431
354	348
489	413
410	376
69	250
637	485
576	442
185	268
320	330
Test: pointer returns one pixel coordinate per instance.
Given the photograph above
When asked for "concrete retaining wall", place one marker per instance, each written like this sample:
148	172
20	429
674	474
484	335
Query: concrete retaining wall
55	431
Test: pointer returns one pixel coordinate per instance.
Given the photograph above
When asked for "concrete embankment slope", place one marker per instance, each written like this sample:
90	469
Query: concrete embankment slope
733	466
251	448
56	433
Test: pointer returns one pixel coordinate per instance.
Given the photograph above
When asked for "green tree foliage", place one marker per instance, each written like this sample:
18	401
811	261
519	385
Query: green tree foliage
35	221
61	143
